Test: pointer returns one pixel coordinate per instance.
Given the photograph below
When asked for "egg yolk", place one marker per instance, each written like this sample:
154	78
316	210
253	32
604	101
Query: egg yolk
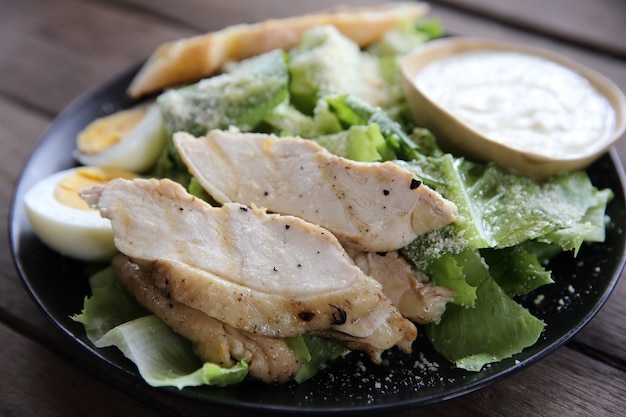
106	131
66	192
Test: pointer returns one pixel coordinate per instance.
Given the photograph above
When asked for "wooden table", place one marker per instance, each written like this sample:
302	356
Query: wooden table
51	51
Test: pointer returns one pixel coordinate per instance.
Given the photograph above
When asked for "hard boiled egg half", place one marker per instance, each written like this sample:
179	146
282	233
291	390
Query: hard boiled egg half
130	139
64	221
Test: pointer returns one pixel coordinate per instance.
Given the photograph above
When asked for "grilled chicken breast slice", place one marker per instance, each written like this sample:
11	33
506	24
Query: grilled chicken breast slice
409	289
374	207
270	359
267	274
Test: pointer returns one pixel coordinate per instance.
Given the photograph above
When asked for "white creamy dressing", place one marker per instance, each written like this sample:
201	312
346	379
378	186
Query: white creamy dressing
520	100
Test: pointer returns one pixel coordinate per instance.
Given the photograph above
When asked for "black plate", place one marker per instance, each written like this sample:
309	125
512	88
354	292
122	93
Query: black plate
352	384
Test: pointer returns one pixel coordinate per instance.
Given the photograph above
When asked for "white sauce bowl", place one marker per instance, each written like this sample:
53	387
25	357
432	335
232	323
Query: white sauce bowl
485	116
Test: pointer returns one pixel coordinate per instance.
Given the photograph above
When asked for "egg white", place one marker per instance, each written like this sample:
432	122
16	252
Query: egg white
137	151
80	234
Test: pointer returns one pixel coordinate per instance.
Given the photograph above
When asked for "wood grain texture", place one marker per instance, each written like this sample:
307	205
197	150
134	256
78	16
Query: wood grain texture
50	52
71	47
597	25
39	384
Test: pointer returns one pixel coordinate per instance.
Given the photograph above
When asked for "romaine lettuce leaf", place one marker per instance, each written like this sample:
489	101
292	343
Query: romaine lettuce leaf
517	270
353	111
406	36
314	351
495	328
109	305
325	62
359	143
240	97
446	272
343	123
112	317
499	208
164	358
286	120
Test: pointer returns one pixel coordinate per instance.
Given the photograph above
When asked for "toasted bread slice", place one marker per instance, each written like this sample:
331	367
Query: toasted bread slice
191	59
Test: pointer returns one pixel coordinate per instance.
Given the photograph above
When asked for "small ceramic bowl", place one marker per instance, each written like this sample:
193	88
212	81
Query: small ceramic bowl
455	136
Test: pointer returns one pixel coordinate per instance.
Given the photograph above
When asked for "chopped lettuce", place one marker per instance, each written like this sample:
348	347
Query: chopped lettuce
238	98
500	209
517	269
359	143
334	117
110	305
446	272
325	62
351	111
315	352
286	120
495	328
164	358
112	317
405	37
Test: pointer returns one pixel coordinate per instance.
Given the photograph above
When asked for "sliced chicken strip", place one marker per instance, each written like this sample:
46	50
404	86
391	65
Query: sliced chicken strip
408	289
190	59
374	207
270	359
267	274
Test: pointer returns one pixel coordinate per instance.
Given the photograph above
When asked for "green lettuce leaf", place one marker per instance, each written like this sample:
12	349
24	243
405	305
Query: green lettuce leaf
446	272
164	358
109	305
112	317
352	128
286	120
406	36
240	97
325	62
499	208
495	328
353	111
517	269
359	143
315	351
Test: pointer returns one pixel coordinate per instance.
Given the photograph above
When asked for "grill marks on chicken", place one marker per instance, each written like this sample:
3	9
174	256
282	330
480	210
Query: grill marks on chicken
368	206
270	359
266	274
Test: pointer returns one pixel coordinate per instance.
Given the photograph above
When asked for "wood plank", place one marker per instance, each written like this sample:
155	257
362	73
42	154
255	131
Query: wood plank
458	23
606	333
20	130
89	43
598	25
36	383
214	15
